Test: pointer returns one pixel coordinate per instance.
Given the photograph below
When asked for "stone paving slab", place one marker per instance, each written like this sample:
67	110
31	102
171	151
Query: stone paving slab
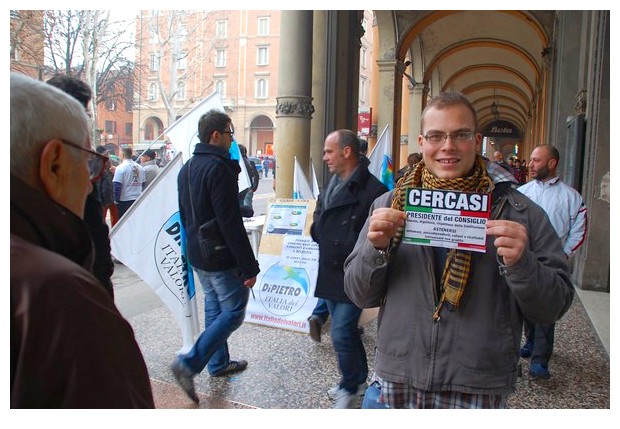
287	370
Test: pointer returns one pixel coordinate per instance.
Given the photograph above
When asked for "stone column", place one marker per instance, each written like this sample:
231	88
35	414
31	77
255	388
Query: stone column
318	128
294	102
415	113
387	103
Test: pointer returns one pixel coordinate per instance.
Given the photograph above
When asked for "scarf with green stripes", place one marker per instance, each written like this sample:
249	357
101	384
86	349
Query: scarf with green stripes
458	262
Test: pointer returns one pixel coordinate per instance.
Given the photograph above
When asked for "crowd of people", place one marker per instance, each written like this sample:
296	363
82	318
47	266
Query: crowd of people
449	335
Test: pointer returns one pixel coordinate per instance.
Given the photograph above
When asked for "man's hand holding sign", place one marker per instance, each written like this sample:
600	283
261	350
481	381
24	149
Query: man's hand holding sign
510	241
511	237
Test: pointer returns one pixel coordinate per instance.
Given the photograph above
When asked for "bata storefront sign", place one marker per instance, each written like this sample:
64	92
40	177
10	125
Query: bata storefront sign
501	129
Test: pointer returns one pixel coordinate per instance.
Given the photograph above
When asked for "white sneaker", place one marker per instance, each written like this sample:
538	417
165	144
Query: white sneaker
345	400
361	389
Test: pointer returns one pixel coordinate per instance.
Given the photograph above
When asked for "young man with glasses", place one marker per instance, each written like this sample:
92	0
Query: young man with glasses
224	262
450	320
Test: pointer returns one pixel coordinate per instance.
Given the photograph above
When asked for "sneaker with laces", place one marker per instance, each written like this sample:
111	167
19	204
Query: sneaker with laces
232	367
526	350
346	400
333	392
185	379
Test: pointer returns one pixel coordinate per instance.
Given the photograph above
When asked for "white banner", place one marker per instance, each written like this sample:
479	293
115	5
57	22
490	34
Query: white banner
284	291
150	240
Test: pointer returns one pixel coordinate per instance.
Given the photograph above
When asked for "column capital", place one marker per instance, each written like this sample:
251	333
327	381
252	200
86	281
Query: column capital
387	64
294	106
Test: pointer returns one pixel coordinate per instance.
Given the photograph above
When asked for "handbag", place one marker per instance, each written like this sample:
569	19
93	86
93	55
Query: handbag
212	245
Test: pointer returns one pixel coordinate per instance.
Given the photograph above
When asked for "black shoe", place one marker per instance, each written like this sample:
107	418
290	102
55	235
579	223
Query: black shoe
315	328
232	367
184	380
526	350
539	371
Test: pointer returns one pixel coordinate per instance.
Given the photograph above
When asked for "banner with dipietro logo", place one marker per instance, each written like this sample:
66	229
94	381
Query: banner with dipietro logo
289	261
150	240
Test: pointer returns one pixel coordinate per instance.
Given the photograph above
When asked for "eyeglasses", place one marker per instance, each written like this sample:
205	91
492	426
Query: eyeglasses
231	132
437	138
96	162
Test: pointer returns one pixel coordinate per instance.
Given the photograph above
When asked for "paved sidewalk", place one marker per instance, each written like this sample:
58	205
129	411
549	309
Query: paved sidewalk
288	370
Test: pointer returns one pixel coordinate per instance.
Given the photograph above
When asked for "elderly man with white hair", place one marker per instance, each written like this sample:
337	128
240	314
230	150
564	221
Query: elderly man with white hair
70	346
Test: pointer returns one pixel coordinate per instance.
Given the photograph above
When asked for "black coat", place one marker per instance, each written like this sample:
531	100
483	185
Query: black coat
336	228
103	266
214	191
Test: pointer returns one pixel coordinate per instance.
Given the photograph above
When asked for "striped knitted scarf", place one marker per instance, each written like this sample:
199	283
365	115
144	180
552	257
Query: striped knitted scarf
458	262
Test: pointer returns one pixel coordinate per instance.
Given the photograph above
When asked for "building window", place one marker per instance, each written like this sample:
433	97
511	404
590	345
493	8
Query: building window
153	92
15	53
128	128
110	127
110	104
363	90
154	62
182	61
181	91
220	59
153	36
261	88
363	58
182	32
262	56
220	88
221	28
263	26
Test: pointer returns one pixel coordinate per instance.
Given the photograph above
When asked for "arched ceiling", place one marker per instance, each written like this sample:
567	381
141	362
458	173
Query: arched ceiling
491	56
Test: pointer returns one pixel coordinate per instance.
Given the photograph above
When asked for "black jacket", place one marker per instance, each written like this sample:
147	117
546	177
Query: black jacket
253	172
103	267
214	187
336	228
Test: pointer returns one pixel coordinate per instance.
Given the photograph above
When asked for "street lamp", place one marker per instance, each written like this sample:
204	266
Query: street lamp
494	107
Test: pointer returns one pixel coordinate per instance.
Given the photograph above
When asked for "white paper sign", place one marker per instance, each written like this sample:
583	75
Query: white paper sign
451	219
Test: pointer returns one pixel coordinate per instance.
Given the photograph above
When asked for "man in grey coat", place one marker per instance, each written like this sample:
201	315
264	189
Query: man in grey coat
450	321
148	162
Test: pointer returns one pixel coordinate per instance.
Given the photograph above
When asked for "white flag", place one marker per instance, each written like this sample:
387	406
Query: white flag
150	240
183	134
315	183
381	160
244	177
301	188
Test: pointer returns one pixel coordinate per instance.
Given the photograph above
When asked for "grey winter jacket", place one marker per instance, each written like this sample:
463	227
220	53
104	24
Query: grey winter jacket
474	348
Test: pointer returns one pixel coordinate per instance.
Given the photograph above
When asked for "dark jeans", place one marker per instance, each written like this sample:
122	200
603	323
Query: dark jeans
542	335
348	344
371	398
225	300
123	206
321	311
